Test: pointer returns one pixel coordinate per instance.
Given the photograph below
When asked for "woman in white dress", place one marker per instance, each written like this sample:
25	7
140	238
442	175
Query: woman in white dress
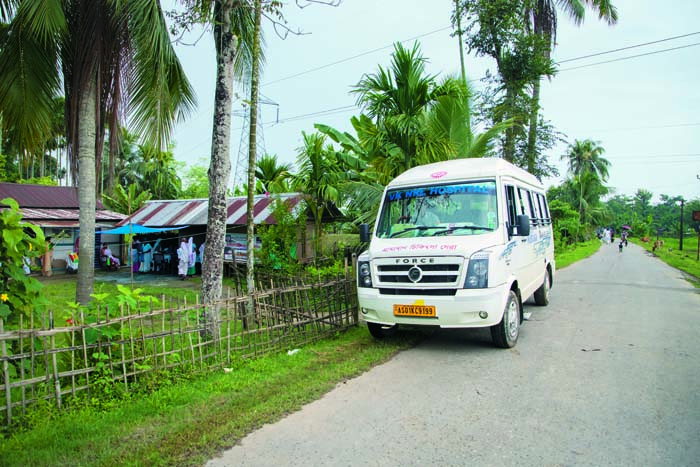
183	256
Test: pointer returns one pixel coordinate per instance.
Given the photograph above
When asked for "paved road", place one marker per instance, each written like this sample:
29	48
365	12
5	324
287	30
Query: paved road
608	374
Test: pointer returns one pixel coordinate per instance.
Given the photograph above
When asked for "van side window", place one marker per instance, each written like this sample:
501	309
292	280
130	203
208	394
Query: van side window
510	205
544	209
536	217
525	206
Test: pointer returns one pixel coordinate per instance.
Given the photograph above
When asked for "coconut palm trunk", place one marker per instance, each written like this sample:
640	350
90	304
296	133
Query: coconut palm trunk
220	164
87	130
252	146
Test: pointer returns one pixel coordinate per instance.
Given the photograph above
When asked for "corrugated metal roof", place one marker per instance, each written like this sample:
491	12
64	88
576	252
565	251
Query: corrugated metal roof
66	217
41	196
30	214
173	213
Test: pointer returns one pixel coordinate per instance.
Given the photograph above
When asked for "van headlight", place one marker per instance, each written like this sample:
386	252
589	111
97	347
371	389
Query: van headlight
477	271
364	274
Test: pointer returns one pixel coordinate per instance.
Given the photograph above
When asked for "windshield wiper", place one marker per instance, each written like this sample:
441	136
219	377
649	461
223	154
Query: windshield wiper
418	227
468	227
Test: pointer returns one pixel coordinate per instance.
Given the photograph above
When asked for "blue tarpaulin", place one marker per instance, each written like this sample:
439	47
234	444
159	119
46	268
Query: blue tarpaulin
139	229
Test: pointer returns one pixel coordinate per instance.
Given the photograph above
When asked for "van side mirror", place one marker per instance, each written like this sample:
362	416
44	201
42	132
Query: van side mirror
523	225
364	233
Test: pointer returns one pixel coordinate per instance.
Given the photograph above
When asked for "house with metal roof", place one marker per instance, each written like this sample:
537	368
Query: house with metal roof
56	210
190	215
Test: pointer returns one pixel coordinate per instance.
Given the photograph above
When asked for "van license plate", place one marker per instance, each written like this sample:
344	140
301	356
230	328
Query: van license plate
421	311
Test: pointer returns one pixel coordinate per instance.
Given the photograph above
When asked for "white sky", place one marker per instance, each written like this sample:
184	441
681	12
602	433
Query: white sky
644	111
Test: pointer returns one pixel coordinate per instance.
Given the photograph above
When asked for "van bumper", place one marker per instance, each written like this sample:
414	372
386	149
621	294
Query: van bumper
463	310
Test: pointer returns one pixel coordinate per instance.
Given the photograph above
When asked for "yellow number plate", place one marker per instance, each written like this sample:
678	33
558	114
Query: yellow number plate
421	311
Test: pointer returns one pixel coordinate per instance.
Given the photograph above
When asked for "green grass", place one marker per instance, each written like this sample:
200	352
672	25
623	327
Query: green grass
576	252
669	253
186	423
59	290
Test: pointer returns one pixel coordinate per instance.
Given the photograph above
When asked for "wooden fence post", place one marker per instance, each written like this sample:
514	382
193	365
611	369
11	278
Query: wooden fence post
6	373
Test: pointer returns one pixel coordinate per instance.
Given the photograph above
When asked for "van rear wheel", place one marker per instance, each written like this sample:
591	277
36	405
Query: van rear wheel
505	334
541	295
380	331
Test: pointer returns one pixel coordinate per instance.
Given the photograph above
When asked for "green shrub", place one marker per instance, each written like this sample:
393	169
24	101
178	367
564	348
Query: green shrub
19	244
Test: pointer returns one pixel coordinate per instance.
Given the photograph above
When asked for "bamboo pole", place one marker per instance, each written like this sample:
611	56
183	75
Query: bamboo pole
6	374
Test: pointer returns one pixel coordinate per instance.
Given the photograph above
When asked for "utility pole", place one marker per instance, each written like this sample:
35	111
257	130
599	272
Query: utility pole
680	242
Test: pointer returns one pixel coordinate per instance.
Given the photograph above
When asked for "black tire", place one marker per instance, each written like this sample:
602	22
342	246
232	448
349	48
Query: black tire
380	331
505	334
541	295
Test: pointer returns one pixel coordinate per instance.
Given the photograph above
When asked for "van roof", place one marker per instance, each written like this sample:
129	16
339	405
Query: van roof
461	169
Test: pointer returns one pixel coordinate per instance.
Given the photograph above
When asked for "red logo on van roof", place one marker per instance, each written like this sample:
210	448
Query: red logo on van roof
439	174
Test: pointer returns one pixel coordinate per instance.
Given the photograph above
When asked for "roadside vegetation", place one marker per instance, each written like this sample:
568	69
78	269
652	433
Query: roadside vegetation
670	254
188	418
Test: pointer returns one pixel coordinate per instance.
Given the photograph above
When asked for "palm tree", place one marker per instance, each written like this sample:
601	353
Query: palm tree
586	157
113	57
542	22
271	175
395	101
126	201
318	177
440	131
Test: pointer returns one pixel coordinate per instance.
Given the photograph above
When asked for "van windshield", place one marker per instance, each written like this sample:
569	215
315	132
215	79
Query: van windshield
435	210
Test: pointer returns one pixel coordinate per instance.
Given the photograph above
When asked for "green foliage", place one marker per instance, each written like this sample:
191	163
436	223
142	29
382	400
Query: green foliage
271	176
196	181
321	273
46	181
670	254
565	223
498	29
126	201
279	240
567	255
20	242
3	159
587	157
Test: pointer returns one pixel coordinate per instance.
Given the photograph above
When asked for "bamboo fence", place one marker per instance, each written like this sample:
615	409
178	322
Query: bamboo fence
40	361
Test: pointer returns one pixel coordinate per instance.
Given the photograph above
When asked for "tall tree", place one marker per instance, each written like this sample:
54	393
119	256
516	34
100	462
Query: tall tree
496	28
114	58
233	28
252	146
440	130
542	22
587	157
396	100
318	177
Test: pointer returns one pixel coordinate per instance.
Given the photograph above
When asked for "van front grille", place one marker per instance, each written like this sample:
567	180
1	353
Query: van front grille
433	272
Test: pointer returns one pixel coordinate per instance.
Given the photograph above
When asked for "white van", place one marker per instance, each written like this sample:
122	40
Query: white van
457	244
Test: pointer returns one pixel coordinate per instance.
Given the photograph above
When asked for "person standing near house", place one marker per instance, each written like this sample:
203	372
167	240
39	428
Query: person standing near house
183	257
46	269
192	257
135	252
200	259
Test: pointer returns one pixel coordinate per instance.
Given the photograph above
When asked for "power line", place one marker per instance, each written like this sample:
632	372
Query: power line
651	127
627	48
647	156
631	57
353	57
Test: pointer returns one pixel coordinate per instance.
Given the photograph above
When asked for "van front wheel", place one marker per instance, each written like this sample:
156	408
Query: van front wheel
380	331
505	334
